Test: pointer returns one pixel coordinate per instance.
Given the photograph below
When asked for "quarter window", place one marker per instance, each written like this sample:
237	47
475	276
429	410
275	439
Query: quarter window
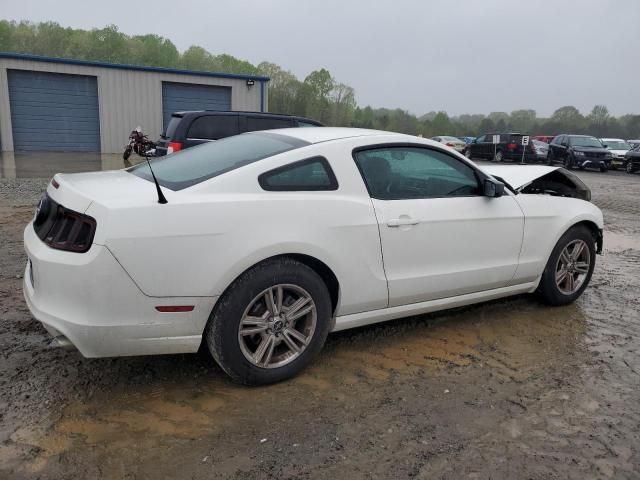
213	127
400	173
312	174
267	123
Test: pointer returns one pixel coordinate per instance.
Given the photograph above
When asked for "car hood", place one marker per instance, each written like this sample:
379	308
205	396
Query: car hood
518	176
619	152
534	179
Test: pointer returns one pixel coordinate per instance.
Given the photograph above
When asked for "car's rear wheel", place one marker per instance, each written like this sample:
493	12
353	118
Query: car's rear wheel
569	268
270	322
467	153
499	156
603	168
629	167
550	157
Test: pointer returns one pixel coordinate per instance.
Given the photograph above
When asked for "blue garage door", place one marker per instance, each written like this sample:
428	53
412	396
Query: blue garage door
53	111
177	97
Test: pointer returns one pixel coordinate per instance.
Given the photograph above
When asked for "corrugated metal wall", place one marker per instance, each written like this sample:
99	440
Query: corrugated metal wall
127	98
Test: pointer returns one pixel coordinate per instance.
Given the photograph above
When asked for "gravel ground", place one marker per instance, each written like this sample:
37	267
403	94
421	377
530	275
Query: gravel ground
507	389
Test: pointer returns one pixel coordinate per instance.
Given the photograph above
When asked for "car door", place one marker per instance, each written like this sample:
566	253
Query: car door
440	236
477	147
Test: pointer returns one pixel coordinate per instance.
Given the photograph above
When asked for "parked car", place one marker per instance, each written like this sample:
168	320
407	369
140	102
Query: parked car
509	148
467	140
582	151
541	148
633	143
452	142
618	147
632	159
188	129
267	241
543	138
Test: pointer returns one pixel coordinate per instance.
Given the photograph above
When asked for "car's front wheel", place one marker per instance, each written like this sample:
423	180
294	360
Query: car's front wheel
270	322
569	268
629	167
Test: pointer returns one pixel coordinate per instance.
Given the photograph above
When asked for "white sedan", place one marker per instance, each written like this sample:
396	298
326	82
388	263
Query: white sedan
261	244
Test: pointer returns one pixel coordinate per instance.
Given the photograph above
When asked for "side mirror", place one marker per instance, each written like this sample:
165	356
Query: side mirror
493	188
605	145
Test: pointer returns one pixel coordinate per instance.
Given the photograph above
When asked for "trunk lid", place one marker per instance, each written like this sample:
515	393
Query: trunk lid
116	188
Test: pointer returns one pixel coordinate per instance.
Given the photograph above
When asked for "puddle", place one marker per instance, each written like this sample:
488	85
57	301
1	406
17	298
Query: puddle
127	423
618	242
47	164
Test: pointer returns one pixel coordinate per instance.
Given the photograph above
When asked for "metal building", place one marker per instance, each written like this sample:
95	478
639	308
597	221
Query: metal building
54	104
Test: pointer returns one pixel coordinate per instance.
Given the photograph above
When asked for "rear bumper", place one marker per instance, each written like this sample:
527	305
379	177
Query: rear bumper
89	300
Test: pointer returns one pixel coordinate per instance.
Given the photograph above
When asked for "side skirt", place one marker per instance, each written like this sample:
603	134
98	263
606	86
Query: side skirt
353	320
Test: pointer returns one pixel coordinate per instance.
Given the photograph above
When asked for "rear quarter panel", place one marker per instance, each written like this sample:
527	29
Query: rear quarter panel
205	237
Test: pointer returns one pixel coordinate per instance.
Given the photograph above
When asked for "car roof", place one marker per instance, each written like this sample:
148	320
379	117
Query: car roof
239	112
326	134
615	139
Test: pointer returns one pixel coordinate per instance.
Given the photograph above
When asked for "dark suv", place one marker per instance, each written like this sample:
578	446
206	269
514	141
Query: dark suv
187	129
582	151
509	148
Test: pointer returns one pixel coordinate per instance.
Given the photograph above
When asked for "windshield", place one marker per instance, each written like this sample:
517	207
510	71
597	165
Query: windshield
197	164
616	145
585	142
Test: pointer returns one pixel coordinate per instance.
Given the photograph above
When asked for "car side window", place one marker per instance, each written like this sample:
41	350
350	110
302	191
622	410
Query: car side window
213	127
302	124
480	139
267	123
402	173
313	174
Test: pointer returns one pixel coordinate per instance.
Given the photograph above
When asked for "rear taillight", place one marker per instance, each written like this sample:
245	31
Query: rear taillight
63	229
512	146
449	144
174	147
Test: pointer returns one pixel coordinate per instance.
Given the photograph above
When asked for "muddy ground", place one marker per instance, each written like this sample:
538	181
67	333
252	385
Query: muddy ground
509	389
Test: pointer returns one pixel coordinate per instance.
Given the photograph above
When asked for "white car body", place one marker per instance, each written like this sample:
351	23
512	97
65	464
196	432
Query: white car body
391	258
451	142
617	153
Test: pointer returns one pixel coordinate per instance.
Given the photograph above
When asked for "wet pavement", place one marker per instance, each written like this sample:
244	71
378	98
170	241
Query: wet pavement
507	389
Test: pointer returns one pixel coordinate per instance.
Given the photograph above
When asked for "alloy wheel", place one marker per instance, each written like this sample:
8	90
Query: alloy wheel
572	268
277	326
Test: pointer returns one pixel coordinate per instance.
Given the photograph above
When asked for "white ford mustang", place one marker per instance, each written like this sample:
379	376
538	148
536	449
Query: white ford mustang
261	244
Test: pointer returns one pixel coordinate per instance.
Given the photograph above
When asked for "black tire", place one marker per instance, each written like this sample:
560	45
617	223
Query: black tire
548	290
629	167
221	333
126	154
603	169
499	156
568	162
467	153
550	159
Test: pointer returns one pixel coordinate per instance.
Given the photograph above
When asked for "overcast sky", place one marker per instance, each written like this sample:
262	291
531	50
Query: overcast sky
462	56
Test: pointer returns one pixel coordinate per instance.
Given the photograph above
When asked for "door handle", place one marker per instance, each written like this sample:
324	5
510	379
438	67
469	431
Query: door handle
403	220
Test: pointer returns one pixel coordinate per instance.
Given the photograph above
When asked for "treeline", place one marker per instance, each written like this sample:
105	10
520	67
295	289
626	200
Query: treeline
317	96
